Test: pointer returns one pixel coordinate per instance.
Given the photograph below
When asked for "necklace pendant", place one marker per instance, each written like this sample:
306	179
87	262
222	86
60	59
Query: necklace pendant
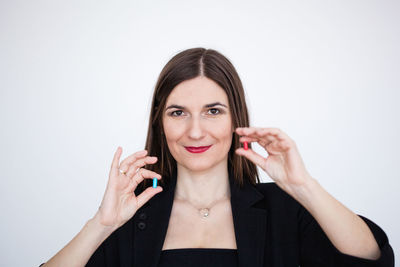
204	212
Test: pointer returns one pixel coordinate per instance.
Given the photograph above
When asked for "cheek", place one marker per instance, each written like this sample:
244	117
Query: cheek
169	129
224	132
223	128
172	131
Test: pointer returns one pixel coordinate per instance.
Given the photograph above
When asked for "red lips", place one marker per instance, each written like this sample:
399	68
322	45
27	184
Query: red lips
198	149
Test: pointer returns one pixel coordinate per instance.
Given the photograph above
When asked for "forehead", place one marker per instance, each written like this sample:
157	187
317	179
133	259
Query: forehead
197	91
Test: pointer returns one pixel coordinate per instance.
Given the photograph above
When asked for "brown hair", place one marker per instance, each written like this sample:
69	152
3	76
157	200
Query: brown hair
187	65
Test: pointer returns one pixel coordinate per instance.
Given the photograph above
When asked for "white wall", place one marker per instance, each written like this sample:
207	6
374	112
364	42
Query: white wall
76	79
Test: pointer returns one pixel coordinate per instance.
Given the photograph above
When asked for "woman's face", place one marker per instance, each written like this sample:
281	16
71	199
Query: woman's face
197	116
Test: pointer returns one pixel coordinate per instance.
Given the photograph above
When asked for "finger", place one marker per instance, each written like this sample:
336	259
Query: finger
263	141
145	174
248	139
277	133
142	174
131	159
267	135
252	156
252	132
115	161
281	138
280	146
246	130
147	194
256	131
133	168
148	173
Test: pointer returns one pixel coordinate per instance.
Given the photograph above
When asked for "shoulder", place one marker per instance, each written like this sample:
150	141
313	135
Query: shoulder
269	188
284	212
271	191
277	199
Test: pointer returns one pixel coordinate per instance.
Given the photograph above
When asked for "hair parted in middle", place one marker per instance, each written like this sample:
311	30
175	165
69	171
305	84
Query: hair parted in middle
187	65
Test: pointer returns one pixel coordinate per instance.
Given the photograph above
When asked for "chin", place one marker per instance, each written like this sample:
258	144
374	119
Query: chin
198	166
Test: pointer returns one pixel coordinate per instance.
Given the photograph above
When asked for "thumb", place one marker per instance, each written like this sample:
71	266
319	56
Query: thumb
147	194
251	155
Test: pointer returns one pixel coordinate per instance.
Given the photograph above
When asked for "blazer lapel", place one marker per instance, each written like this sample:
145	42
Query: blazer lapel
151	228
249	223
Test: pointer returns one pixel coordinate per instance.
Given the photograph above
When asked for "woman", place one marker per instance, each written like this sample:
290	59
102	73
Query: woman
211	208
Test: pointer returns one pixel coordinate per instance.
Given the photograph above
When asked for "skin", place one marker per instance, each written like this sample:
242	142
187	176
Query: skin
203	178
347	231
119	204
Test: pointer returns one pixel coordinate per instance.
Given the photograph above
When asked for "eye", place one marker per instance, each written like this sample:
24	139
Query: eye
214	111
176	113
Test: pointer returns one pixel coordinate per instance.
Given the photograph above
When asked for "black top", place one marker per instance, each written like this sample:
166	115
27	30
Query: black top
198	257
271	230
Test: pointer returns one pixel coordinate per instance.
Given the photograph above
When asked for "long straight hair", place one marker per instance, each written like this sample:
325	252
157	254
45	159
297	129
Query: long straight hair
187	65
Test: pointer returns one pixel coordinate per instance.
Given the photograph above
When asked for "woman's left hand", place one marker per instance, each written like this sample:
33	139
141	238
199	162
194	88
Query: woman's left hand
283	164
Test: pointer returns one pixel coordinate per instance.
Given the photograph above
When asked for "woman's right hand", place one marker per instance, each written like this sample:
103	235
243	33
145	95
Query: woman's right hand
119	203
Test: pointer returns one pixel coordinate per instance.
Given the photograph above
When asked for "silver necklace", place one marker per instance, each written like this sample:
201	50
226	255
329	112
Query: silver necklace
204	212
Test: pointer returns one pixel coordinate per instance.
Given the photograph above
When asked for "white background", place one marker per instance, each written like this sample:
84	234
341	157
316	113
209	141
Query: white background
76	79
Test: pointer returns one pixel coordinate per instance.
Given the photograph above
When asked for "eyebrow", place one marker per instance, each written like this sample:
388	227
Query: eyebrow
205	106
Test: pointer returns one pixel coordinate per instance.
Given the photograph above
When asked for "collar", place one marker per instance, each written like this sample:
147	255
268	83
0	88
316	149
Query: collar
151	223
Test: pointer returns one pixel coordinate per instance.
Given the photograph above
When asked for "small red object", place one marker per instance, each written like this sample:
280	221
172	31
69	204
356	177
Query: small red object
245	145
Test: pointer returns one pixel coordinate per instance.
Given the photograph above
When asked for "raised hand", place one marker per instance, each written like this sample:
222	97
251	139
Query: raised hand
119	203
347	231
283	164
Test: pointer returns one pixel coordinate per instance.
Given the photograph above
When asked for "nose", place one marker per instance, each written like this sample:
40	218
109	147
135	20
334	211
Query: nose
196	129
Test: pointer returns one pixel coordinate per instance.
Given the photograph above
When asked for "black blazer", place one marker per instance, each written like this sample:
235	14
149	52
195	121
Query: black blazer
271	228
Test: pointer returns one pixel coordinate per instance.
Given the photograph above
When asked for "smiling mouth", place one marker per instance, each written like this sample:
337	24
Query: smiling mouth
197	149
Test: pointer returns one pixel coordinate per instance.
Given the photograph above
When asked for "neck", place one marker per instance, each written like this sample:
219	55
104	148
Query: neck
202	187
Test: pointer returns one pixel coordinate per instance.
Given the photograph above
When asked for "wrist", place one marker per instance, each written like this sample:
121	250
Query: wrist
307	192
95	223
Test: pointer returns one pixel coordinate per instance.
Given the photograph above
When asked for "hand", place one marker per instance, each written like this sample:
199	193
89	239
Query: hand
119	203
283	164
